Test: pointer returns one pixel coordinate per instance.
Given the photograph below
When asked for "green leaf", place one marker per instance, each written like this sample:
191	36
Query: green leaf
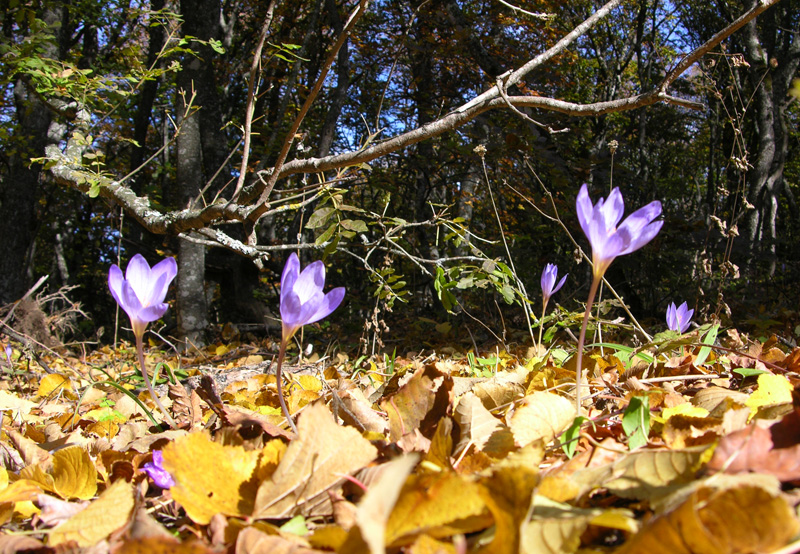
709	339
356	225
749	371
326	235
636	421
569	440
295	526
319	217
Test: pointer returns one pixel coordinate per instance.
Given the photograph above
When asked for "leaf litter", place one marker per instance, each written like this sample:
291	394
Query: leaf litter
697	453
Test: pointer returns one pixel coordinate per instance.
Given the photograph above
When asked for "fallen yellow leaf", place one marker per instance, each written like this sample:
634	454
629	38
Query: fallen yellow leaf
102	517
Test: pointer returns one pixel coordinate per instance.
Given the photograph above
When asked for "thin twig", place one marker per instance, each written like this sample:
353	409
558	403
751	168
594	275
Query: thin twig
255	66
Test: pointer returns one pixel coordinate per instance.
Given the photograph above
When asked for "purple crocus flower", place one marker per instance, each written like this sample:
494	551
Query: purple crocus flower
599	223
142	291
302	302
141	294
155	470
678	319
302	299
549	287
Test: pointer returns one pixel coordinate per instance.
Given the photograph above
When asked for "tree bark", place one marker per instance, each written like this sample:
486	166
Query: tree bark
20	188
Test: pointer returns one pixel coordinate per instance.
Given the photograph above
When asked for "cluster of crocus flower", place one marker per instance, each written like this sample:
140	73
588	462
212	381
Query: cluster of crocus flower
141	293
601	225
549	288
678	319
302	302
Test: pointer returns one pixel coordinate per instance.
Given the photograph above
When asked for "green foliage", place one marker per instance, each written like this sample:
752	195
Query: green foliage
636	421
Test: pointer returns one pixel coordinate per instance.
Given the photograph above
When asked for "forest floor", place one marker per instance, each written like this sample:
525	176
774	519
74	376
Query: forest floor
688	443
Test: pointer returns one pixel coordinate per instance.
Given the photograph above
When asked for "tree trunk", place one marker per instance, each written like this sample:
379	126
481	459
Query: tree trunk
19	189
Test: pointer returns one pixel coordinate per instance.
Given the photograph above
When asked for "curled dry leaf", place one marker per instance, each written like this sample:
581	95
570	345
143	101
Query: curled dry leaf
72	475
319	458
508	493
369	535
253	541
541	416
556	528
419	404
736	521
109	512
212	478
480	428
752	450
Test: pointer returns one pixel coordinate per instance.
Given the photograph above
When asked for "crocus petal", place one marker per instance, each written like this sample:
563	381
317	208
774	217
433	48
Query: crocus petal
329	303
155	470
585	209
613	208
560	284
115	280
138	275
310	281
290	307
161	276
153	313
640	226
290	272
672	320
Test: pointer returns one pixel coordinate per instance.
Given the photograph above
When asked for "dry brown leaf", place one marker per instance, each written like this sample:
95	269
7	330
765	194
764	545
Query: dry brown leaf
374	509
441	445
541	416
752	449
212	478
186	406
501	390
733	521
253	541
109	512
651	474
30	452
508	492
55	511
681	431
358	411
419	404
161	545
12	544
428	545
317	460
480	428
556	528
74	473
437	504
231	416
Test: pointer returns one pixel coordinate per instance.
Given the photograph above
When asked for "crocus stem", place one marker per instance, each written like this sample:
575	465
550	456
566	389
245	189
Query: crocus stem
153	395
581	339
541	322
279	377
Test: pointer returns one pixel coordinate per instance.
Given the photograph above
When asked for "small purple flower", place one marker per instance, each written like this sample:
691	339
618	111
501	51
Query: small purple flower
599	223
302	299
549	287
678	319
155	470
142	291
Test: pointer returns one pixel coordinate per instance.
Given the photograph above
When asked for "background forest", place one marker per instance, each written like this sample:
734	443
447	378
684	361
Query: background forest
430	152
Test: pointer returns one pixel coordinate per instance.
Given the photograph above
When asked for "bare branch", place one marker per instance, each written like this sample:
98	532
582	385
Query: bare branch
251	96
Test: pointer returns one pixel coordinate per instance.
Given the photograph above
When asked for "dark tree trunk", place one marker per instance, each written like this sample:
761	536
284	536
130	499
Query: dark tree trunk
772	47
19	188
